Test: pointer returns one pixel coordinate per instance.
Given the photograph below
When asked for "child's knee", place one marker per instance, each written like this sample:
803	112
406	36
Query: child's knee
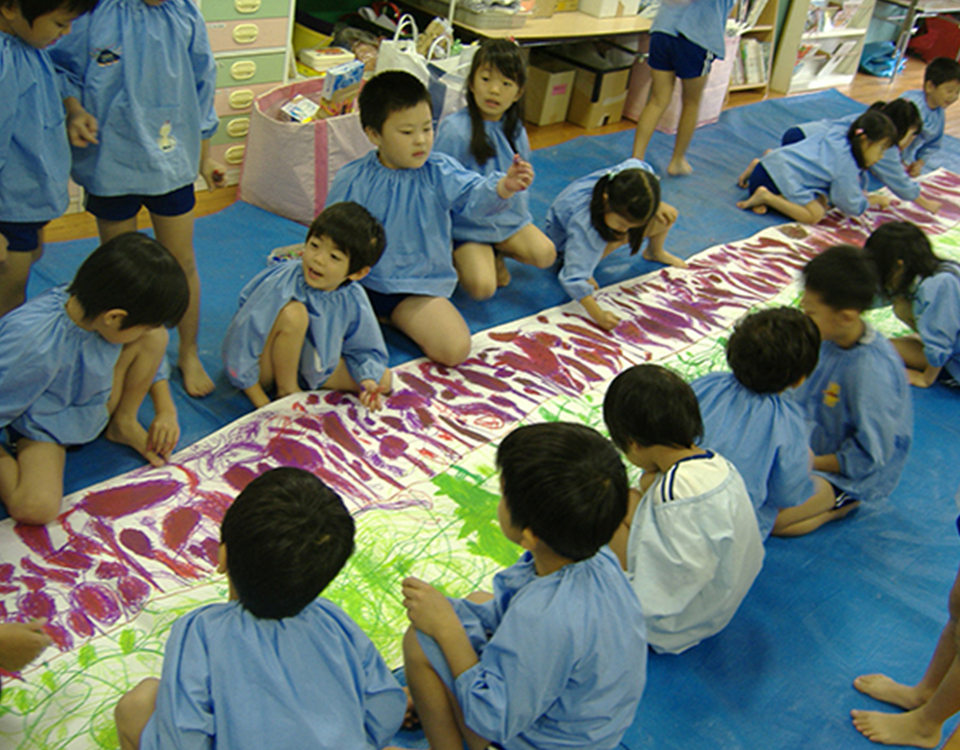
136	707
412	651
480	289
35	507
545	253
452	352
293	318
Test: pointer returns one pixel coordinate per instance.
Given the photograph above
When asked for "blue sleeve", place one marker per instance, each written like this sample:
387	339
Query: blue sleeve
581	256
452	141
26	372
930	146
384	702
789	483
891	172
183	718
937	310
522	670
8	93
364	349
205	72
846	193
468	193
874	416
338	188
69	58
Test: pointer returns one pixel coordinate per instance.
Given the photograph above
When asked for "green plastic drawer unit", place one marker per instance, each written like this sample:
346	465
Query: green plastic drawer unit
236	10
236	70
231	130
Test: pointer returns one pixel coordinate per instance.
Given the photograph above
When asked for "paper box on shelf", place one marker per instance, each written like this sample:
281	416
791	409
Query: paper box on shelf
549	87
609	8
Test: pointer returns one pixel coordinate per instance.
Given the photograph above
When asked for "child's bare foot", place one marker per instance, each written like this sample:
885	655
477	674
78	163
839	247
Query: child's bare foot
679	167
896	729
744	179
503	273
196	382
131	433
662	256
884	689
411	719
756	202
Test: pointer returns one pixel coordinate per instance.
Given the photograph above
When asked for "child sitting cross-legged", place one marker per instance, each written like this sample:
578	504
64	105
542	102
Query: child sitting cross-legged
78	360
311	322
556	658
275	666
689	540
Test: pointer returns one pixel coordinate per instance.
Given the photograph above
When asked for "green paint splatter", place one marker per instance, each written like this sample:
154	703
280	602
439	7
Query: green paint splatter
127	640
87	655
477	508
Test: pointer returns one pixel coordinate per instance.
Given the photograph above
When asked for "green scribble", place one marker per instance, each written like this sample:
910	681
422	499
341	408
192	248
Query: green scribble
127	640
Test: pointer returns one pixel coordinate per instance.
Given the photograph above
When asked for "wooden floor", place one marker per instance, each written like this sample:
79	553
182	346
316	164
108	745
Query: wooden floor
866	89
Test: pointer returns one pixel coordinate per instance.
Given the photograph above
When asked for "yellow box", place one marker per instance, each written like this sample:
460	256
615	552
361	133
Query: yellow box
566	5
306	38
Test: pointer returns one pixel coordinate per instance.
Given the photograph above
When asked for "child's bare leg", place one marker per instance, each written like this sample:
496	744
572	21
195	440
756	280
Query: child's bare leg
134	711
436	326
661	91
744	179
430	696
14	274
132	380
476	269
530	246
809	516
342	380
691	90
479	597
656	234
280	360
31	485
176	234
762	199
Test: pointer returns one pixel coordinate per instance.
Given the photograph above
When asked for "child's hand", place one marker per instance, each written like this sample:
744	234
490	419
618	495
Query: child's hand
928	203
163	434
666	214
915	169
370	392
607	320
876	199
21	643
519	177
429	611
82	128
214	173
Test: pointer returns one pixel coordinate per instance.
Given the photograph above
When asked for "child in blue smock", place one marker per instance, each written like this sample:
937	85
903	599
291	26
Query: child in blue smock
601	212
802	180
78	360
749	416
415	193
311	322
686	36
485	137
925	292
34	153
890	171
941	87
556	656
689	540
275	666
139	78
857	399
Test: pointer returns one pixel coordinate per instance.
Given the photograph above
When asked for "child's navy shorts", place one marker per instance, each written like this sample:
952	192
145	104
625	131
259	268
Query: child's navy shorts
679	55
760	177
384	304
122	207
792	135
22	236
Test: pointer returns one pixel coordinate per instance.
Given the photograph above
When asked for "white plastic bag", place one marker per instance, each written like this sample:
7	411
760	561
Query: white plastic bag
401	54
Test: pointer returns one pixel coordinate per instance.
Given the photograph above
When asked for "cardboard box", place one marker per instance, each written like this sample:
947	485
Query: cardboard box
598	97
566	5
549	87
609	8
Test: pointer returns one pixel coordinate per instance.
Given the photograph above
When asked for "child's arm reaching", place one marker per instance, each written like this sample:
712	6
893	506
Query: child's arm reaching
370	393
518	178
431	613
21	643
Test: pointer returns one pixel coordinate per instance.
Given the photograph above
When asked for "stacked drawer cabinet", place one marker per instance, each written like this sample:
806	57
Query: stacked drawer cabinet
250	40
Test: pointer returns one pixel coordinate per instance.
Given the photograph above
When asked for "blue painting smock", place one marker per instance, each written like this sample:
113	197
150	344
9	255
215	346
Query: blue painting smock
341	323
563	657
569	226
928	141
147	74
55	377
889	170
936	308
453	138
703	22
821	164
693	552
34	151
858	401
232	680
765	435
415	207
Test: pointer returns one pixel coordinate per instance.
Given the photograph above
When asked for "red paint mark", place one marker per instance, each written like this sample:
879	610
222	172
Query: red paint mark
110	570
69	559
291	453
178	525
80	624
239	476
6	571
334	429
61	637
32	582
116	502
133	591
484	381
184	570
60	576
137	542
36	605
97	601
392	446
416	384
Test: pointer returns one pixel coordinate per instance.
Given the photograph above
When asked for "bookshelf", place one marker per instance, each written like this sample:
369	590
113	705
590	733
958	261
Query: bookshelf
821	44
751	69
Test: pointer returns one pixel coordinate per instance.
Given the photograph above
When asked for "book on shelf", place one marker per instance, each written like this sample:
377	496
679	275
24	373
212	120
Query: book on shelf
748	12
804	52
837	56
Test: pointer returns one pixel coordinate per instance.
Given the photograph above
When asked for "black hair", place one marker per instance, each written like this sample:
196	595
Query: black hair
904	115
354	230
31	10
650	405
843	278
896	242
941	70
566	483
771	350
873	126
287	536
134	273
389	92
632	193
504	56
